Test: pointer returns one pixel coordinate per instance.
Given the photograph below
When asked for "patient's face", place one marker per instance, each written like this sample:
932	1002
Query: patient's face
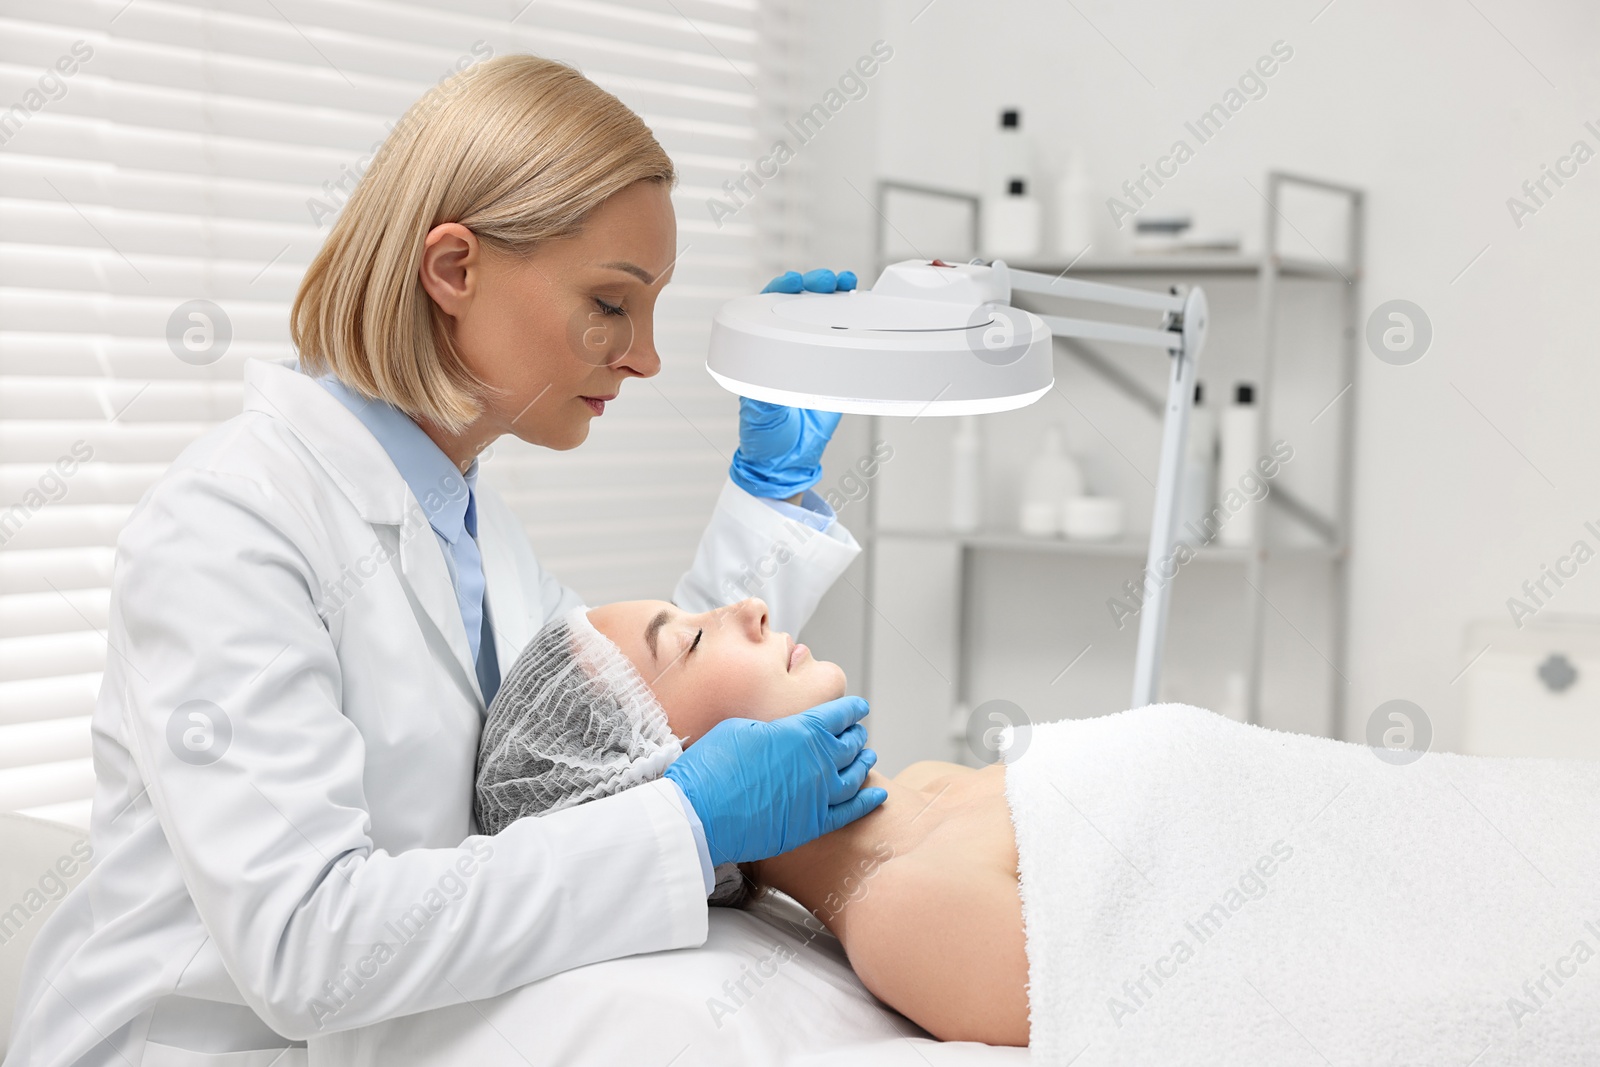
738	668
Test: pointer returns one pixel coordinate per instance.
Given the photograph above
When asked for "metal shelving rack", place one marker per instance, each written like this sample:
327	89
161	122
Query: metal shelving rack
1330	531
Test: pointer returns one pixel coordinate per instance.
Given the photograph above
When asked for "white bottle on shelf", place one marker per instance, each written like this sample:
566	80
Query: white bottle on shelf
1197	489
1051	478
1011	219
1011	224
1074	231
966	484
1241	423
1010	155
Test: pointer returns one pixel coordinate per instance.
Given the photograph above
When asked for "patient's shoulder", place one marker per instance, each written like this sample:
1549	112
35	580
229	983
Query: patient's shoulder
942	943
924	773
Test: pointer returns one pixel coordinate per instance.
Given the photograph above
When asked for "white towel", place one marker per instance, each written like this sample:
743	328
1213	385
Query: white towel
1198	891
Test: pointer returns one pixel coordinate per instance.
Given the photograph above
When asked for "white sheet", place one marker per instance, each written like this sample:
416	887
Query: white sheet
1201	892
800	1006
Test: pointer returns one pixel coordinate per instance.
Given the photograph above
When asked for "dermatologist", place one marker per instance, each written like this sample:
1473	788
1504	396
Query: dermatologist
310	611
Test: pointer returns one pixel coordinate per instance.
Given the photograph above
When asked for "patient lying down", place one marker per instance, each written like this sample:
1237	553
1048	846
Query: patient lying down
1158	886
922	892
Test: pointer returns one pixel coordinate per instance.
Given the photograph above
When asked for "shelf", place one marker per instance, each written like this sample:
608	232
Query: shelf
1196	263
1011	541
1157	270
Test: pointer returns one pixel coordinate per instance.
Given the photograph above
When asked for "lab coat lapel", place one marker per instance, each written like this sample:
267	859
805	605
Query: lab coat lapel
356	462
509	611
434	595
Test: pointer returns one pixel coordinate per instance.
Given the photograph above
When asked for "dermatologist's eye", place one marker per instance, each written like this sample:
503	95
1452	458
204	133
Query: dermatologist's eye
609	309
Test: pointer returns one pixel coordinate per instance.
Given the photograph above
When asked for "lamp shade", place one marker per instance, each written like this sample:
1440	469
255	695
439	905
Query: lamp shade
928	338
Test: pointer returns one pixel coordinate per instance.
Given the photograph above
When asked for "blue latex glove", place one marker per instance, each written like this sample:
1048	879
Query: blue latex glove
820	280
780	448
763	788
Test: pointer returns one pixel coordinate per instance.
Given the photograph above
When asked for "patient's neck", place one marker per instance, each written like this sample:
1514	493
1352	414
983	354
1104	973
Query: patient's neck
830	874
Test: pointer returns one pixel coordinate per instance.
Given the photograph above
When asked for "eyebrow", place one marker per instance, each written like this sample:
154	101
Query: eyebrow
653	628
631	268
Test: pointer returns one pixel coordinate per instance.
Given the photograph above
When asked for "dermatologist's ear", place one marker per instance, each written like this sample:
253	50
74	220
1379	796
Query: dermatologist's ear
452	258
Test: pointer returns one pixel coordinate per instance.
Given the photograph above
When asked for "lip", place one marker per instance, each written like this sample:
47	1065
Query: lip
597	404
795	652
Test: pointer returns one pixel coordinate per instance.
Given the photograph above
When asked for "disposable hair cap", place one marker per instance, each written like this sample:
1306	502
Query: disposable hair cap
574	721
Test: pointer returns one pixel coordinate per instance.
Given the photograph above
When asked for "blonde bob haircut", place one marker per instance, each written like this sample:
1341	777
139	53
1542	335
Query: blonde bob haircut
519	150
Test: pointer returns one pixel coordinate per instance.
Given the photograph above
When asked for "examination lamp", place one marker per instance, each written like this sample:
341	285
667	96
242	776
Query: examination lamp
936	338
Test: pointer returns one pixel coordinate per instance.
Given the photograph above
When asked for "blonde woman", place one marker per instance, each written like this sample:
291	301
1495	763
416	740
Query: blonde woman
310	609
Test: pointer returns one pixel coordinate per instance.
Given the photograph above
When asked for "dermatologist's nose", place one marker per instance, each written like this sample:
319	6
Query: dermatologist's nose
641	358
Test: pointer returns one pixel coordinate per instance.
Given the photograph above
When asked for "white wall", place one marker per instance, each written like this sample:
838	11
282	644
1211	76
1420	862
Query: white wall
1473	466
834	231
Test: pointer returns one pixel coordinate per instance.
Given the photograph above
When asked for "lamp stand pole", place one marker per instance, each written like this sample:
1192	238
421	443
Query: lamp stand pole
1182	335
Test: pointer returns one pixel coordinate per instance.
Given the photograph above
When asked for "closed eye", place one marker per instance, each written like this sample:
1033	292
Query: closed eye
609	309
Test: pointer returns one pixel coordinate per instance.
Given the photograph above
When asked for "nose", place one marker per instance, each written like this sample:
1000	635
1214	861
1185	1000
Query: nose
753	614
640	359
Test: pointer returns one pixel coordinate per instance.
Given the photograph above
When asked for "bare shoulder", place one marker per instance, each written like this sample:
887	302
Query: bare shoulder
943	944
923	773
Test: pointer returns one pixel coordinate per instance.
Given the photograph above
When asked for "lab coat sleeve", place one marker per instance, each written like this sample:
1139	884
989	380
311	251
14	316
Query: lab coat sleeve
321	931
751	549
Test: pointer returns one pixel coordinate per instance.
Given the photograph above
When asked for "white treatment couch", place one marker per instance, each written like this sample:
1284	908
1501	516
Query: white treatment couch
800	1006
803	1007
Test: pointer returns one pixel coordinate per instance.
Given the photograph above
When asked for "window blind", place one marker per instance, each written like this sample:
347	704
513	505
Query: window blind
156	152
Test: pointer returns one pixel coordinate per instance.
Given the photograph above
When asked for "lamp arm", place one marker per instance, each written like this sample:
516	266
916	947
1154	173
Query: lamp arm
1184	319
1120	333
1182	334
1030	281
1161	562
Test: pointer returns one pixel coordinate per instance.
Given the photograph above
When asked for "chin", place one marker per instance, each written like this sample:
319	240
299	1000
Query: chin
563	439
830	678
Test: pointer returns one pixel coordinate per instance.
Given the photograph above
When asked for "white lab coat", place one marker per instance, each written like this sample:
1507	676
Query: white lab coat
325	871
